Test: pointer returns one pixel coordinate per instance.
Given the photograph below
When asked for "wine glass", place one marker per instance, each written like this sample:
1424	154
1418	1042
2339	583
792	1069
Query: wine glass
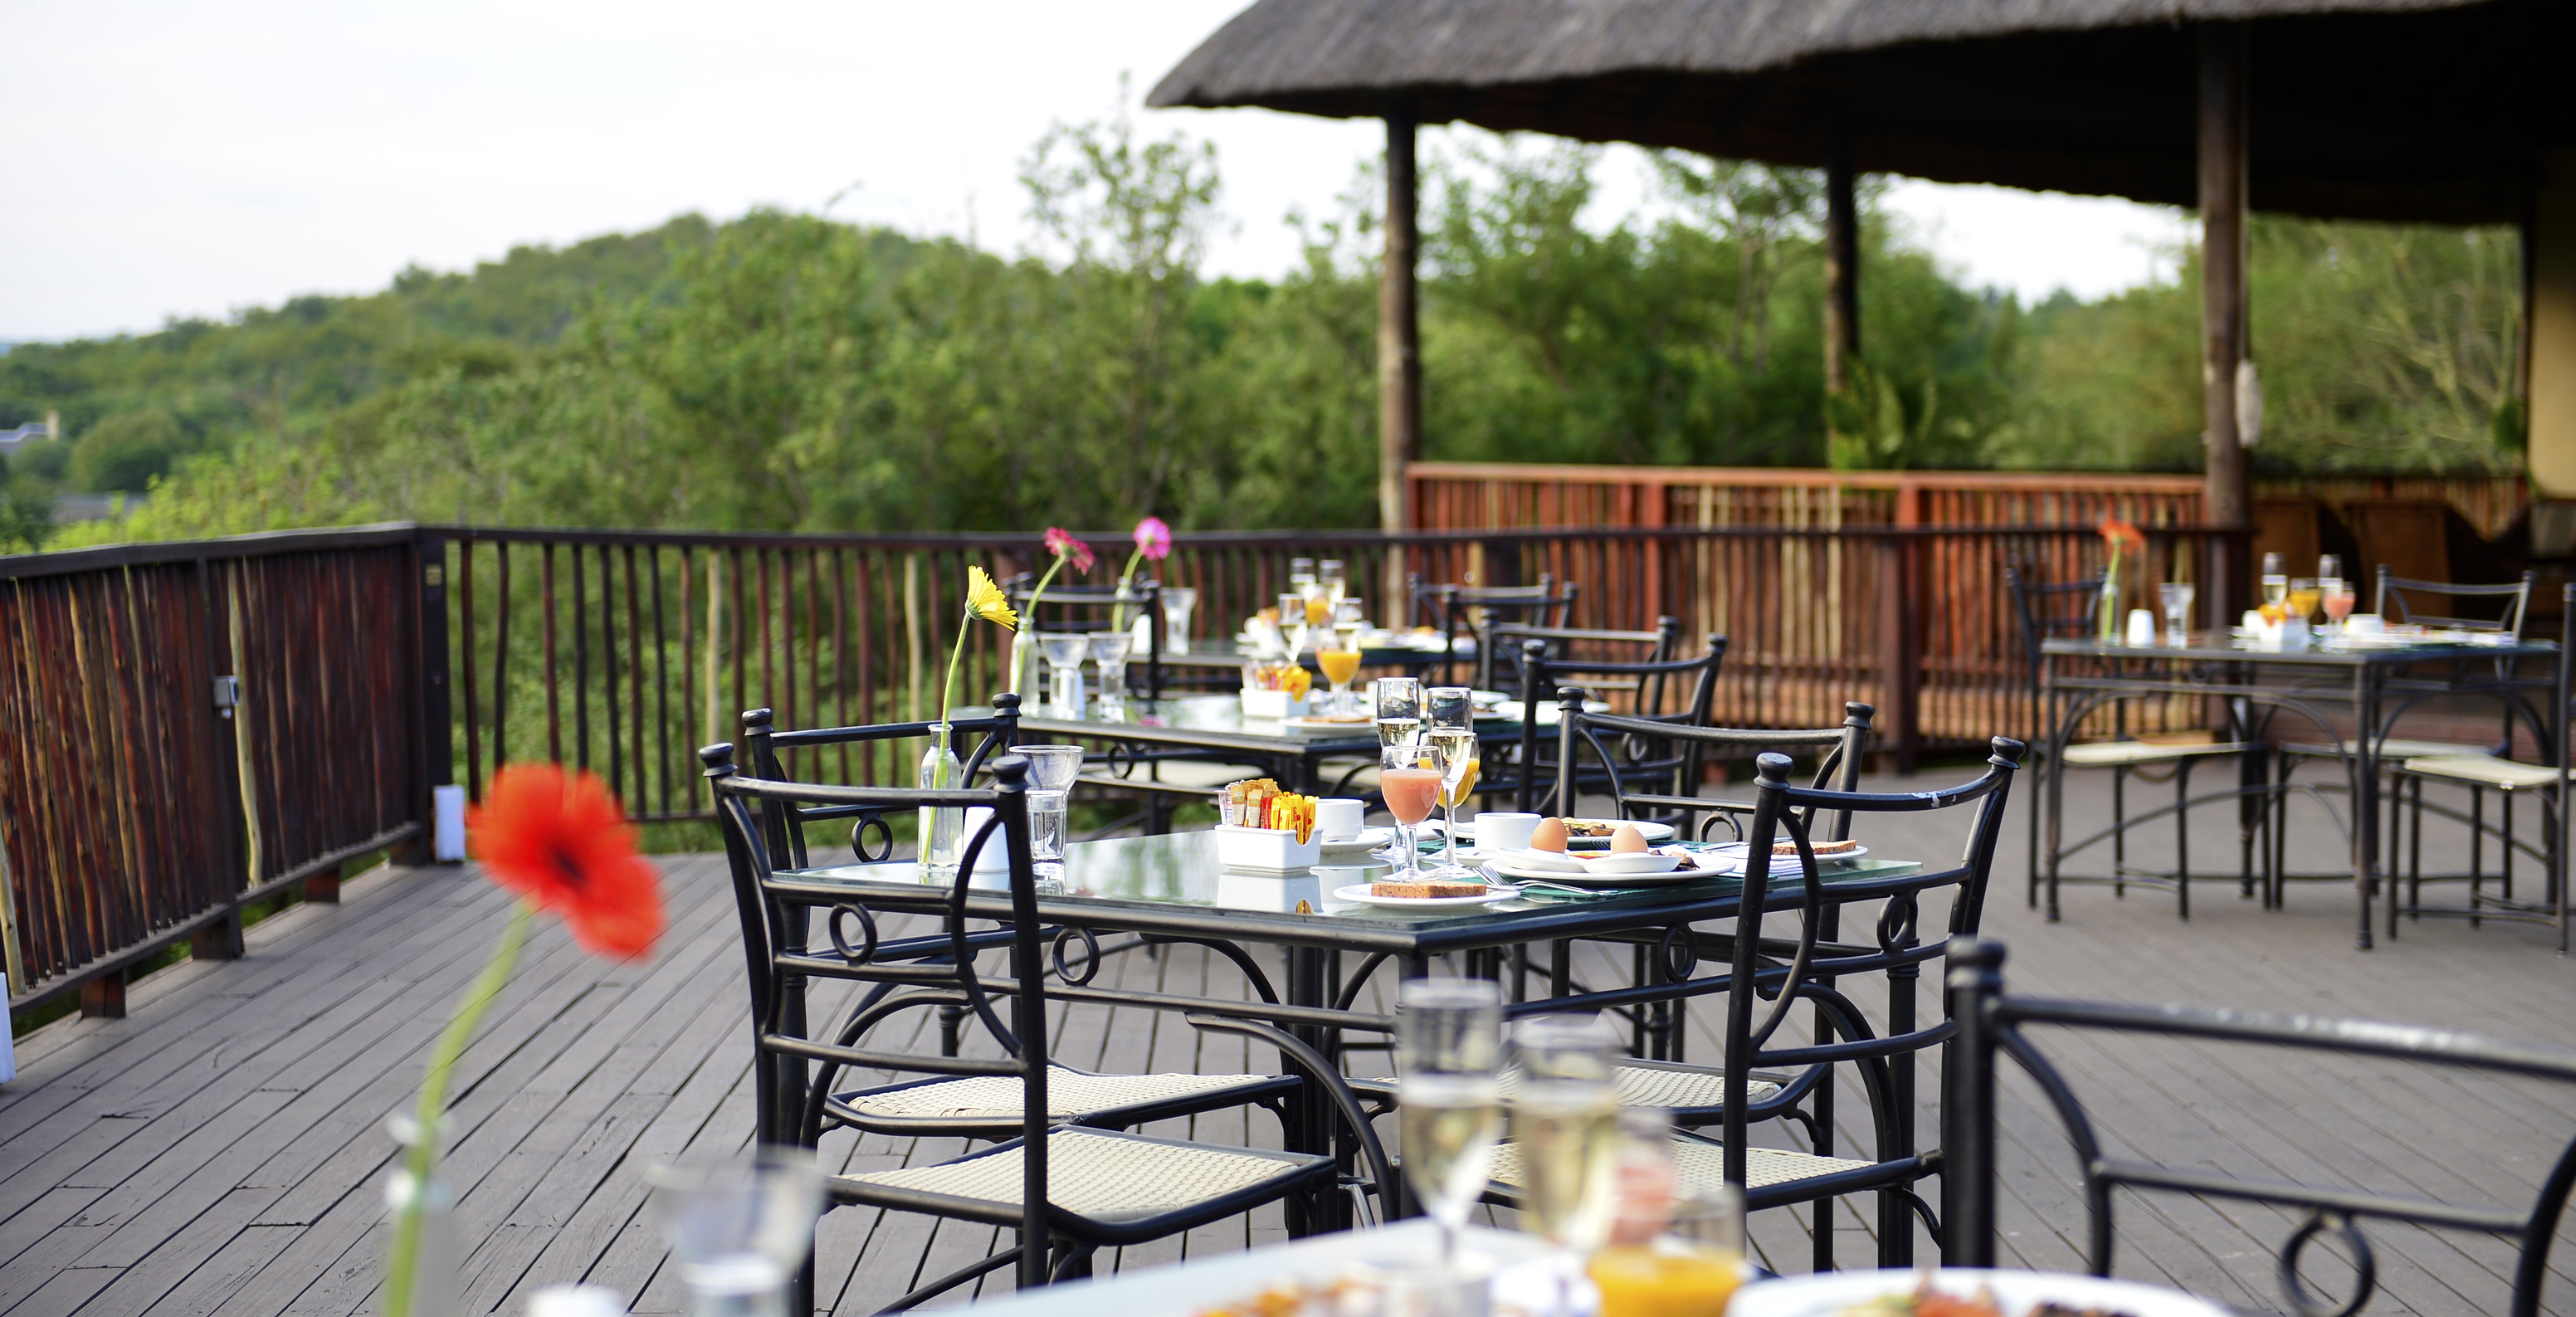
1335	578
1448	1037
1064	655
740	1228
2338	598
1292	623
1109	651
1410	785
1399	710
2301	600
1565	1124
1341	664
1451	732
2276	580
1301	579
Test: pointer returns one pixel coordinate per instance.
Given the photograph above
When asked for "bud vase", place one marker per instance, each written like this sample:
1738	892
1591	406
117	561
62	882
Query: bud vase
943	831
434	1288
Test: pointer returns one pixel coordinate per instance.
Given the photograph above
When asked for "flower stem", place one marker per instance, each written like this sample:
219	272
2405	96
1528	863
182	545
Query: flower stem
1031	620
948	692
405	1259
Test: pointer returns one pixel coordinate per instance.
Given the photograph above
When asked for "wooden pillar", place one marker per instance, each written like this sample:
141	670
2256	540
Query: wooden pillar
2549	336
1399	349
2223	118
1842	264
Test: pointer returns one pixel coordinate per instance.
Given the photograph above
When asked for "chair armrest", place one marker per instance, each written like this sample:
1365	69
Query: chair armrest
1307	1059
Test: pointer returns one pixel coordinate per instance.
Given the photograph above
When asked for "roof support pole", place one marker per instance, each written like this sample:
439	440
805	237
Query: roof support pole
2222	105
1399	349
1842	263
2549	341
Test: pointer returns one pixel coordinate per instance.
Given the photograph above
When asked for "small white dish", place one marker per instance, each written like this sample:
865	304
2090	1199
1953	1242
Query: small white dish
1359	894
1541	861
1369	839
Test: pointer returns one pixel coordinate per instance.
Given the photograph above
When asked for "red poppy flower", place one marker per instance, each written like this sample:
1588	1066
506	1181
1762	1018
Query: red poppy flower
562	841
2121	536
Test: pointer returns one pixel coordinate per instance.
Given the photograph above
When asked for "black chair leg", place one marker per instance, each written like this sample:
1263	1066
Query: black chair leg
2119	830
2182	837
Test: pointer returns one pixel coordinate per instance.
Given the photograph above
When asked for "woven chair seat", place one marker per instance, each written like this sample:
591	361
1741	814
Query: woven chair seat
2486	770
1701	1166
1074	1096
2394	748
1640	1084
1102	1176
2104	754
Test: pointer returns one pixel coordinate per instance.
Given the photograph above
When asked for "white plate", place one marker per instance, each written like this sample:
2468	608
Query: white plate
1822	1296
1368	840
1632	865
1737	850
1359	894
1304	723
1530	864
1652	832
1589	878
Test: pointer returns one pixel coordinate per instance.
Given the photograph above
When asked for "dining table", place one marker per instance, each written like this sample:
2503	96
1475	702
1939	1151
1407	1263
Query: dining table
2347	692
1144	734
1174	888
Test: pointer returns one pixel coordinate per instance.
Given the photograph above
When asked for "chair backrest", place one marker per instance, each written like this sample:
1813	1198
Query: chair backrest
1761	989
1693	680
1991	1024
1499	646
1068	609
1459	610
994	733
916	974
2049	612
2403	600
1838	753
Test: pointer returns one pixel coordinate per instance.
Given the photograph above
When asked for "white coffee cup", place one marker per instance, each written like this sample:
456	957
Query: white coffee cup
1340	820
1496	833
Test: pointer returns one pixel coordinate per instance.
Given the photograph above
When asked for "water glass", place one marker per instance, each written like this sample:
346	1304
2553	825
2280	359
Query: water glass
739	1229
1046	837
2177	596
1064	655
1109	649
1179	601
1449	1038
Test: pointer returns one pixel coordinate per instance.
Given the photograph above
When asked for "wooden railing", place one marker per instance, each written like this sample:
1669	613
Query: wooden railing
374	664
136	810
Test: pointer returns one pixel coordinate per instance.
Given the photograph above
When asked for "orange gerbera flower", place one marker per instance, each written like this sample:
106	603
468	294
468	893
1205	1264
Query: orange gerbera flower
2122	536
562	841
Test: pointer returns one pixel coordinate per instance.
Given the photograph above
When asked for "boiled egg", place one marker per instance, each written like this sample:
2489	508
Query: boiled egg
1549	835
1627	841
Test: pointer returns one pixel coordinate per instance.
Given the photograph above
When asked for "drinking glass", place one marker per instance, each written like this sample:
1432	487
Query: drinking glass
1448	1037
1451	732
2329	567
2301	600
1301	579
1410	785
2177	596
2276	580
1341	664
1109	649
1179	601
1335	579
2338	598
1064	655
1399	710
1292	623
1694	1267
1052	771
1565	1122
739	1228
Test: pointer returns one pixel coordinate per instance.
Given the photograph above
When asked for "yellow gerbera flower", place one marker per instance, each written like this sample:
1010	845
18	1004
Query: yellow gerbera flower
986	600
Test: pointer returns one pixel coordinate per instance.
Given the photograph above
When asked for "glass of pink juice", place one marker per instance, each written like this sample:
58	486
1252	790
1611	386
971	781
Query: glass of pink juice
1411	788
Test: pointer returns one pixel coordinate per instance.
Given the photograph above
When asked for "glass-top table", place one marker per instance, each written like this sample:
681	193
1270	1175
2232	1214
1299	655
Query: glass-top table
1215	728
2310	682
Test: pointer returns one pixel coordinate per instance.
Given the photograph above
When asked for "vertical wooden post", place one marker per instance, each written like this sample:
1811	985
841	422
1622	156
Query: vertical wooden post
103	998
1900	654
1399	344
2222	299
2548	386
1842	263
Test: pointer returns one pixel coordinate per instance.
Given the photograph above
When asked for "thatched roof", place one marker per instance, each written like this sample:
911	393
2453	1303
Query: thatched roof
2386	109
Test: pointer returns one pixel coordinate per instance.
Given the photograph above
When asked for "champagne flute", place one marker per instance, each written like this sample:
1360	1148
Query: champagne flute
2276	581
1449	1035
1409	787
1301	578
1292	624
1452	735
1399	710
1565	1123
1335	578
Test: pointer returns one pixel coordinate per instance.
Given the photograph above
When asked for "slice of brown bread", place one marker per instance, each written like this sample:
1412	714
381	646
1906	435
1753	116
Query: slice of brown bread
1428	889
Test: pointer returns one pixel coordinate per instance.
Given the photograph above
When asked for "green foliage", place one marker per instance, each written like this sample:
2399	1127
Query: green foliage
785	371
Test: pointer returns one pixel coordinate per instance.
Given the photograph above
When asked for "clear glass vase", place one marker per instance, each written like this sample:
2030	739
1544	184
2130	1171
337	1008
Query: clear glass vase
435	1291
1024	661
943	831
2109	623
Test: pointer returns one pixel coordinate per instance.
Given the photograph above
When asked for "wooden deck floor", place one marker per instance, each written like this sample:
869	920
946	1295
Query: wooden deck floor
221	1149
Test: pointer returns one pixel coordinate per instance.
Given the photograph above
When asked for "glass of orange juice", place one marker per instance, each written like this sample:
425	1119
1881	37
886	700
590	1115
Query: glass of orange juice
2302	599
1691	1270
1340	667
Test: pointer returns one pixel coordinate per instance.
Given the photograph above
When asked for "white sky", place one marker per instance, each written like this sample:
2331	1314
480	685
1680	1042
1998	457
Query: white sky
164	159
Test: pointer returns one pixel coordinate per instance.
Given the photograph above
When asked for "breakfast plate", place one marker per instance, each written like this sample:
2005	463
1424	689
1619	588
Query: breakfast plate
2016	1291
1652	832
1359	894
1737	850
1511	867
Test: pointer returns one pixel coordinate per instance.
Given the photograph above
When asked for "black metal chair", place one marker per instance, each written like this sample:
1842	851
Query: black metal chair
1670	691
2068	609
1461	610
1991	1024
1063	1176
1082	609
1769	976
762	744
